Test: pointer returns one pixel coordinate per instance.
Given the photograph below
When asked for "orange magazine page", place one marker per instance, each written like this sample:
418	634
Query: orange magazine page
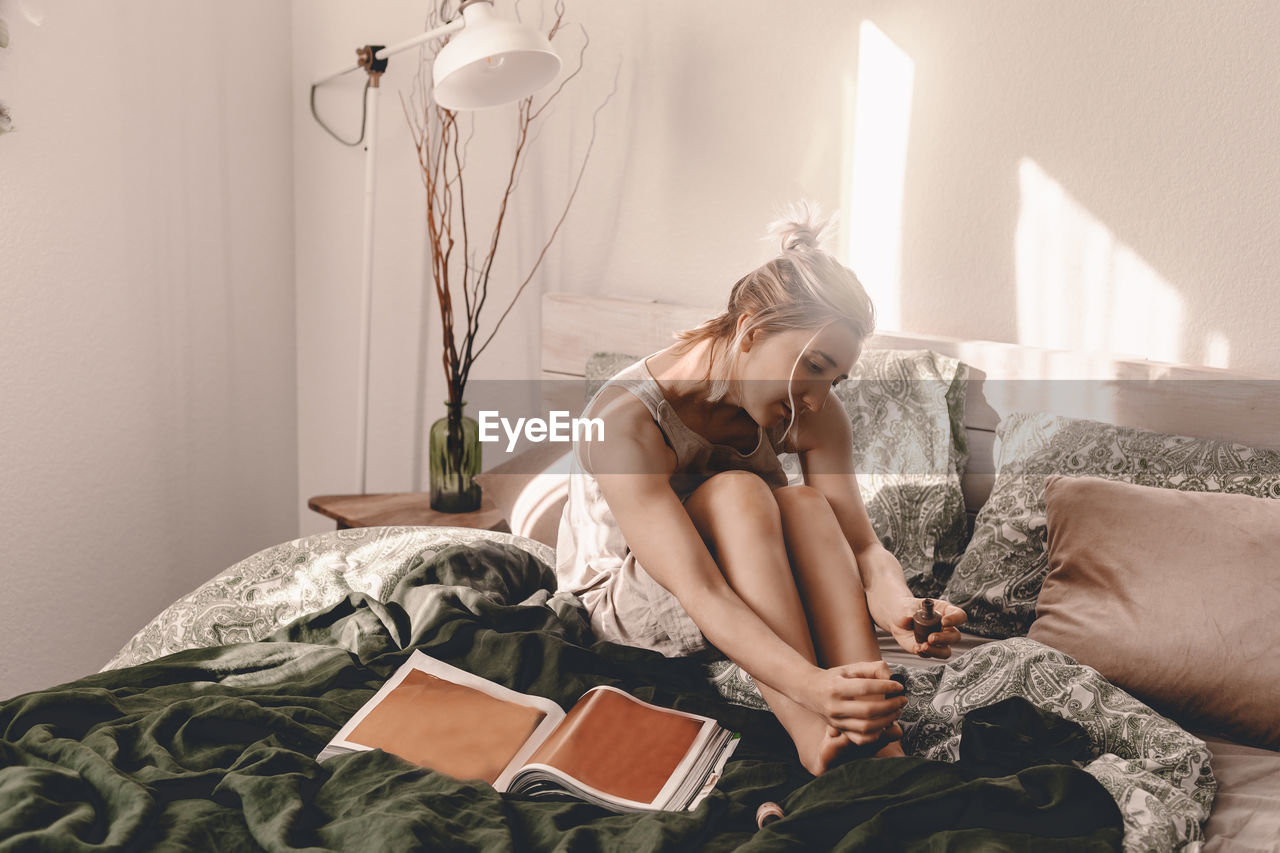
619	745
448	727
453	721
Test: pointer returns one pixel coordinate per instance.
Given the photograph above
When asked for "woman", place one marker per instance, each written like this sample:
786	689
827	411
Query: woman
681	530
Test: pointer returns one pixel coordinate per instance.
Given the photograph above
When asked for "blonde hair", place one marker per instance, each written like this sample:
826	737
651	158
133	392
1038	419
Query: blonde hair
804	287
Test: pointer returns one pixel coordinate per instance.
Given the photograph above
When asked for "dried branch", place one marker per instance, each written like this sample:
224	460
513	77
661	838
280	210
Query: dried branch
563	215
571	75
442	146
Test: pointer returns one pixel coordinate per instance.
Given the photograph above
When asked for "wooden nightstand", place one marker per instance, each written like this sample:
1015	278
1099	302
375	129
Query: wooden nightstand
410	509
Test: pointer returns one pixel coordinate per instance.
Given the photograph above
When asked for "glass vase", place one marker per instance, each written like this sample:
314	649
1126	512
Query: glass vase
454	454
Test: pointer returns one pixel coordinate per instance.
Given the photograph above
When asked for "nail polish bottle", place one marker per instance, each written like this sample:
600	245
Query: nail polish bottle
767	814
927	621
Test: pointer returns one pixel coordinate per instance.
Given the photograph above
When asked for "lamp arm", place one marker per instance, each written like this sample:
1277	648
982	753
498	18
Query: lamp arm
382	53
373	59
442	30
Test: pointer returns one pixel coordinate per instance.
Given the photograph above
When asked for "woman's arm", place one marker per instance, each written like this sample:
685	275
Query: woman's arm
825	448
633	466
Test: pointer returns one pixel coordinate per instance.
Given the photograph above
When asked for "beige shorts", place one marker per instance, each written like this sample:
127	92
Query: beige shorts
633	609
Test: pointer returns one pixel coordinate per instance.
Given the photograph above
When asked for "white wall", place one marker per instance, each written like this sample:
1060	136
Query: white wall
1097	174
1074	175
147	417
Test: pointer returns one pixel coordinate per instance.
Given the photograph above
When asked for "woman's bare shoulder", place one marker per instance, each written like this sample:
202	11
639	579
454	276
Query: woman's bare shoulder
630	438
616	405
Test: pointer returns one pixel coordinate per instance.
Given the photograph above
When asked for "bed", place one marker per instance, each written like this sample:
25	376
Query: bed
201	732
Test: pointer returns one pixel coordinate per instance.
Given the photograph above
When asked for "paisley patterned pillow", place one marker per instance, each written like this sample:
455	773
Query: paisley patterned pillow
906	408
603	366
998	579
907	412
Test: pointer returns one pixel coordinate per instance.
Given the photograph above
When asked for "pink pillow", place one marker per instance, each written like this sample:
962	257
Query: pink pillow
1172	595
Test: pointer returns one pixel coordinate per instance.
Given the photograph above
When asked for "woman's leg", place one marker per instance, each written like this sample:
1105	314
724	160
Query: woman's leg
827	577
740	520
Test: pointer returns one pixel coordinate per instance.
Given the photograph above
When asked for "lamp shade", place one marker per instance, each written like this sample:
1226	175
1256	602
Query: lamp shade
491	62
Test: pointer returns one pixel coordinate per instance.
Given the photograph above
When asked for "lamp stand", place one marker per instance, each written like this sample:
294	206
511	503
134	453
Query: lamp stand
372	58
374	66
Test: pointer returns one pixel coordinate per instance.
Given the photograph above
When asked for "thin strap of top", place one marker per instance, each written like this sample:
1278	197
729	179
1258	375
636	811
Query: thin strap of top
637	379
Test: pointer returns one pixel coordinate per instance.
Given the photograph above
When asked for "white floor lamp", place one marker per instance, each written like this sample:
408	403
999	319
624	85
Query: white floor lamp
488	62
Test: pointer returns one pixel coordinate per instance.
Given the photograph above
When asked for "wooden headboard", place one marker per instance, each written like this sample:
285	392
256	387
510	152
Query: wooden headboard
1172	398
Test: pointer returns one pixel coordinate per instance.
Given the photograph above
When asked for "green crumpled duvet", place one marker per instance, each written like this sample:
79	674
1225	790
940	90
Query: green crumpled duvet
214	748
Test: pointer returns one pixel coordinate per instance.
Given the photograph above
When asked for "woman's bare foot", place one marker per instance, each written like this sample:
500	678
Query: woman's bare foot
834	748
823	753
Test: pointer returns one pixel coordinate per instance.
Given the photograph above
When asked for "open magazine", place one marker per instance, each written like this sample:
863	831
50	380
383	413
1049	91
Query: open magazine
610	749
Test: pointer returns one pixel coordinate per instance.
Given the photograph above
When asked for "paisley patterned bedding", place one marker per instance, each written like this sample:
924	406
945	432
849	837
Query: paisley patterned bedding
1158	774
274	587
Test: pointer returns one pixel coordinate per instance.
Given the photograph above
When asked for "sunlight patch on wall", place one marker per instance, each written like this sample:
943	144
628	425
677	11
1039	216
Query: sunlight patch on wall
873	205
1217	350
1079	287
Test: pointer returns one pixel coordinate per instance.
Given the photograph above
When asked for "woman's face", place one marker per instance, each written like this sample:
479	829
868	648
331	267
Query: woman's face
809	361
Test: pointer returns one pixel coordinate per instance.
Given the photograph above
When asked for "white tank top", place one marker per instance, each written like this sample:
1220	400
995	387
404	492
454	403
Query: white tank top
590	549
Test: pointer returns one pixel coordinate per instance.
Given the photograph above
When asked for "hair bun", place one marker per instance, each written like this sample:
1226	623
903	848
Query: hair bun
802	226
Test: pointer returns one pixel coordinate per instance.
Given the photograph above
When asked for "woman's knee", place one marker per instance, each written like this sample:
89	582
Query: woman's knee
802	501
739	496
743	488
742	526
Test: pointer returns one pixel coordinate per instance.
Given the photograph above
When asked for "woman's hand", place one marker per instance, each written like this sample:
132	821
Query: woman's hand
858	700
896	615
893	607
